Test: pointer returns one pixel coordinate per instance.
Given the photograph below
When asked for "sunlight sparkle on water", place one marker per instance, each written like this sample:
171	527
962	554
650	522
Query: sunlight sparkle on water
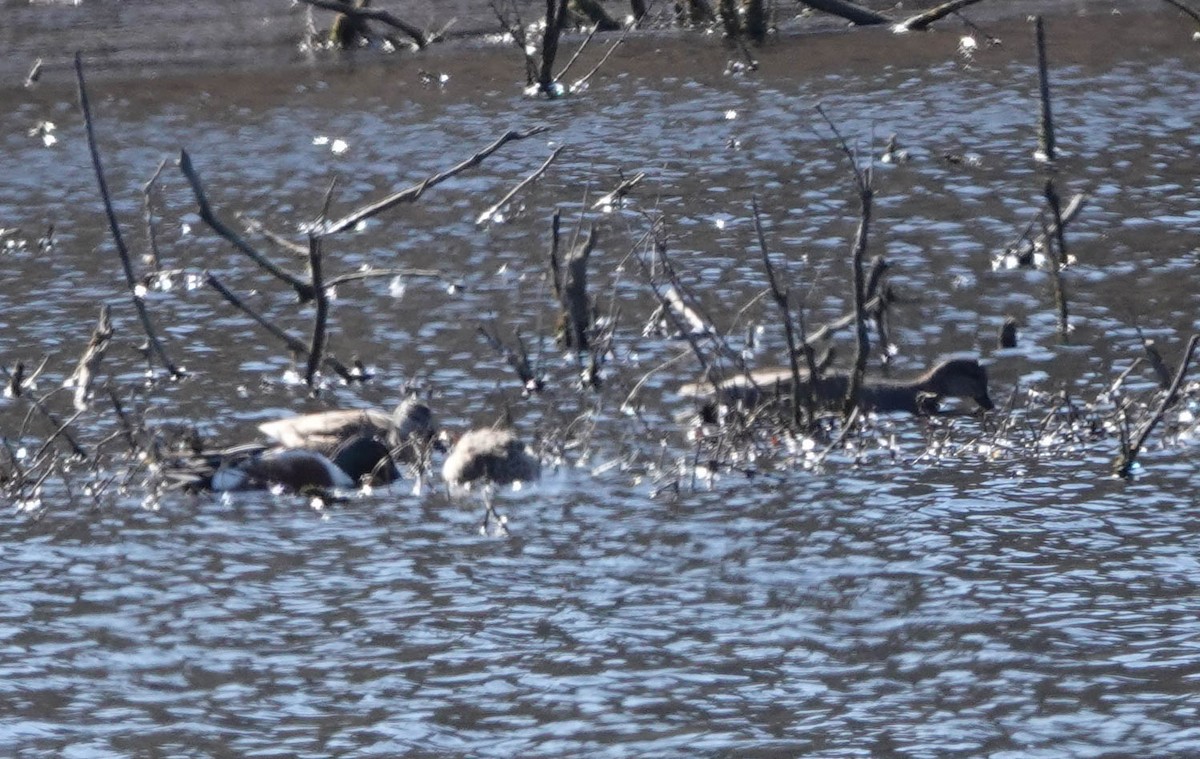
33	503
397	287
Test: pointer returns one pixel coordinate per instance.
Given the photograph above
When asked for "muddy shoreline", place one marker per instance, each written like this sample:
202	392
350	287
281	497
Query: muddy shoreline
132	41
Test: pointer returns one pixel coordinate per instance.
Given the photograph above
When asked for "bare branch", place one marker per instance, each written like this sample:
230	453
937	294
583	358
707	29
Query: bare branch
303	289
495	209
855	14
416	191
1123	466
296	346
415	33
114	227
921	21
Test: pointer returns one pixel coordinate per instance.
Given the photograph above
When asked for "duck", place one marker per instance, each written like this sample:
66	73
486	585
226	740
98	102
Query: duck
955	378
357	460
491	457
408	431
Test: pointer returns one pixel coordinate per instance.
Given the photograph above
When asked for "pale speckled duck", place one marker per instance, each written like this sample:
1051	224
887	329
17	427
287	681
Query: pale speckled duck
491	456
956	378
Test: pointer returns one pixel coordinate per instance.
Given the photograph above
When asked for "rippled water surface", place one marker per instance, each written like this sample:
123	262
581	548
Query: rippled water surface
954	586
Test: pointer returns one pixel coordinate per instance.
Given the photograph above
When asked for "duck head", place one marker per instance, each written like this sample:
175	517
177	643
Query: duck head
413	428
365	458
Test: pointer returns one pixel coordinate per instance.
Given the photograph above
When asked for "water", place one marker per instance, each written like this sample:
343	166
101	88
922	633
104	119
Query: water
947	587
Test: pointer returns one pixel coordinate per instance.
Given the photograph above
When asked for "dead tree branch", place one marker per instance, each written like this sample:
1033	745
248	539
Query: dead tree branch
1046	149
416	191
855	14
303	289
148	216
296	346
1124	464
419	36
556	19
89	362
113	226
921	21
491	212
781	295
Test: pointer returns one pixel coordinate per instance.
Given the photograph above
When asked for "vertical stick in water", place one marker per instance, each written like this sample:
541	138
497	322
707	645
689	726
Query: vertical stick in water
1056	247
115	228
1046	152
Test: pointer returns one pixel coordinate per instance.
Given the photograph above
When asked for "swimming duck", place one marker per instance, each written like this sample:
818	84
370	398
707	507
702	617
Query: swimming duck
956	378
492	457
407	431
353	462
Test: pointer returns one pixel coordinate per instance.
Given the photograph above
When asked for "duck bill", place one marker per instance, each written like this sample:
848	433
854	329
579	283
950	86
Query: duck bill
441	442
985	402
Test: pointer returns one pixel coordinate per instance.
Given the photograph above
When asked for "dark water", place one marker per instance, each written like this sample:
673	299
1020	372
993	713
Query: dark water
950	588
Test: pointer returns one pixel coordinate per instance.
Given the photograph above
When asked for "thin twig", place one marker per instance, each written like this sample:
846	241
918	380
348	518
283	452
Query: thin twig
257	227
493	210
578	52
148	216
780	295
321	315
416	191
1125	462
355	276
1176	3
611	49
320	293
862	343
620	191
126	425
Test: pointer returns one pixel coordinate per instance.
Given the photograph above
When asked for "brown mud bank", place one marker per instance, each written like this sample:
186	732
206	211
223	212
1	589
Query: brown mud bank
139	39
